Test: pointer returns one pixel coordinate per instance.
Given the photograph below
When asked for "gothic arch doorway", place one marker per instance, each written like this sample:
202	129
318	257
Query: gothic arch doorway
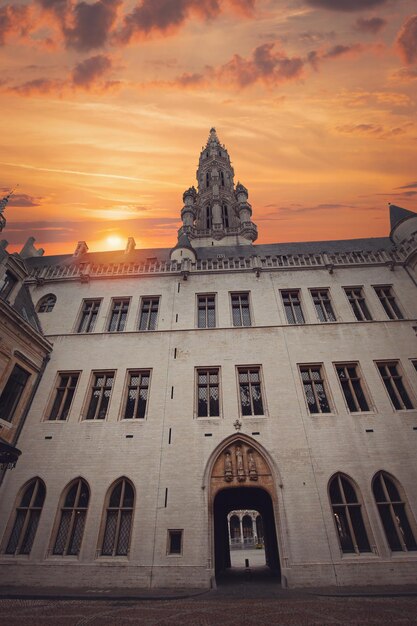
241	478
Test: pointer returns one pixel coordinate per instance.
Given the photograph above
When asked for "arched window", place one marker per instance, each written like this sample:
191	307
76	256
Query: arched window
207	179
27	517
46	304
209	217
347	512
118	519
72	519
225	216
247	527
222	178
392	508
234	527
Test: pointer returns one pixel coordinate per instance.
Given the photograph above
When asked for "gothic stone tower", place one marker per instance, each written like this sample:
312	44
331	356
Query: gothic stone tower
218	213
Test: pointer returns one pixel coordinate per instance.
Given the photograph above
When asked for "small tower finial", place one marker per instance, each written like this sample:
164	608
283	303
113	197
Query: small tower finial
3	204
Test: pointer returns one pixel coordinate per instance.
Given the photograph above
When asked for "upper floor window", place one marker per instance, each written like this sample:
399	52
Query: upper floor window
26	519
206	313
207	179
392	509
6	287
225	216
209	217
351	384
12	392
393	381
314	388
148	313
347	514
388	301
357	301
64	393
88	316
250	391
100	395
292	306
137	394
240	309
118	519
208	395
72	517
46	304
323	305
221	176
118	314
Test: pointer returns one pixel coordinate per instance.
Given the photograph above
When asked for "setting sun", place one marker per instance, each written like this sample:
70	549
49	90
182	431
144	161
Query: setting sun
114	242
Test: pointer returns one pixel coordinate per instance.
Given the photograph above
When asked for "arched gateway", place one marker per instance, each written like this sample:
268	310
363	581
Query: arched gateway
239	476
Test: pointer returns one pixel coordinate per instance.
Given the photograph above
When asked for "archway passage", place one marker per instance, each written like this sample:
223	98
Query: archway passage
235	498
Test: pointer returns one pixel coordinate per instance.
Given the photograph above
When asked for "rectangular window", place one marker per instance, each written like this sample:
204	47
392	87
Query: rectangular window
64	394
314	388
292	306
88	316
137	394
387	299
12	392
321	300
393	381
240	309
350	382
206	311
250	391
9	281
118	315
357	302
208	404
100	395
148	313
174	542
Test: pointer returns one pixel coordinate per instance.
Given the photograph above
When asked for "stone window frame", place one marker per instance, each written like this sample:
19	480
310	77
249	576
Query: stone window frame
129	372
77	511
329	300
206	295
89	396
207	368
248	367
250	312
141	305
392	309
119	510
83	314
362	383
54	392
404	382
358	303
32	512
327	390
113	302
171	532
291	293
47	303
20	401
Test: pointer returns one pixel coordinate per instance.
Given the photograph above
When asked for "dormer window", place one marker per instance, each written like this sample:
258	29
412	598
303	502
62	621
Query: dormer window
6	288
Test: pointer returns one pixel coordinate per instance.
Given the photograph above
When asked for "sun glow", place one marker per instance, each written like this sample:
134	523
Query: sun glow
114	242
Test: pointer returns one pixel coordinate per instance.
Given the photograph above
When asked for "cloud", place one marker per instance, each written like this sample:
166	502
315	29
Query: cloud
340	50
405	74
86	73
92	24
412	185
375	130
345	5
371	26
407	40
23	200
38	86
13	20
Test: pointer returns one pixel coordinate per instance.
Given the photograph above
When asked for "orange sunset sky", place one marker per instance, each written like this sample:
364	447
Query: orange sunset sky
105	106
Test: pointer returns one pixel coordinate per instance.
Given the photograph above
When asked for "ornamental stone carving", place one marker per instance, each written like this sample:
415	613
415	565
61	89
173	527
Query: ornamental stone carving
241	462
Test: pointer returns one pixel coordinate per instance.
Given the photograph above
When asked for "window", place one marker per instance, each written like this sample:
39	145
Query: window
387	299
208	393
350	382
148	313
250	391
72	519
64	394
27	517
206	313
12	392
137	394
9	281
393	381
314	389
207	179
88	316
118	315
174	542
240	309
209	216
221	175
358	304
225	216
347	513
292	306
100	396
321	300
118	519
392	510
46	304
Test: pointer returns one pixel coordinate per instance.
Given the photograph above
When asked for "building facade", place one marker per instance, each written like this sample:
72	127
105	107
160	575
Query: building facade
214	377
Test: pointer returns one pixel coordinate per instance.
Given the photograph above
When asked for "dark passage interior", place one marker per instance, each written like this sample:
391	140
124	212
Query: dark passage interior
237	498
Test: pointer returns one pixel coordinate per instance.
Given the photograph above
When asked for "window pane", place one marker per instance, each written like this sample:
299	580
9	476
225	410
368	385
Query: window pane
15	534
62	534
175	540
77	533
342	526
30	533
389	527
124	533
359	529
404	526
109	533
